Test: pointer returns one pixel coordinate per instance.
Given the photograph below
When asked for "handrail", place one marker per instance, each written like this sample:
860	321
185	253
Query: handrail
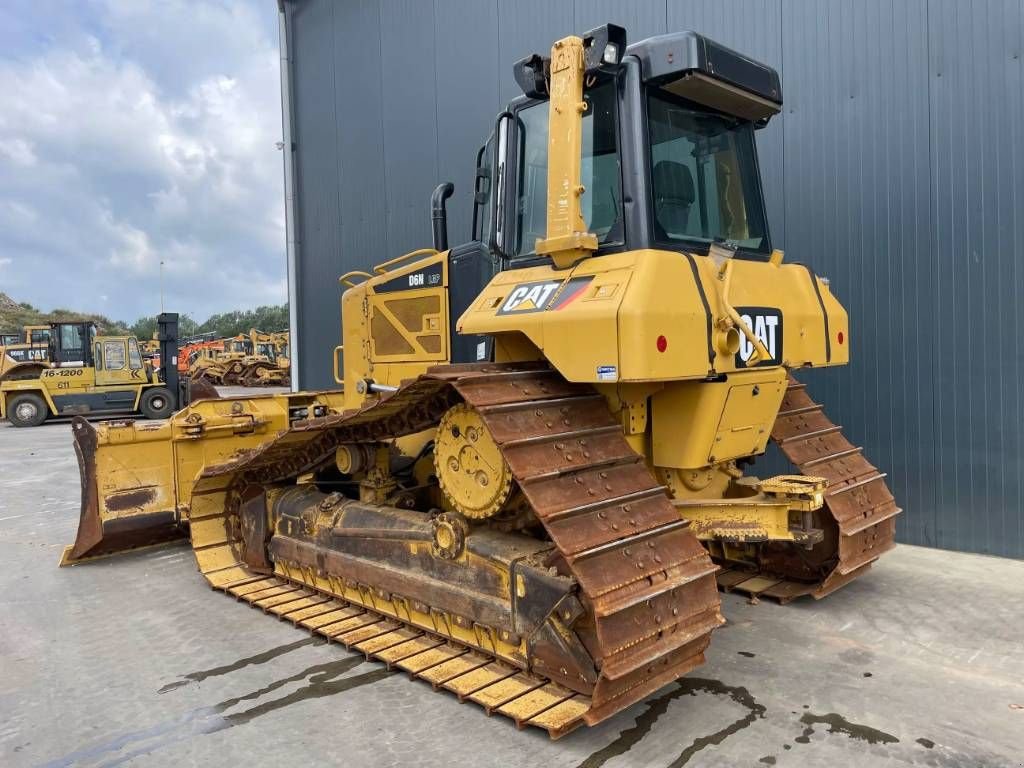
346	279
380	269
337	373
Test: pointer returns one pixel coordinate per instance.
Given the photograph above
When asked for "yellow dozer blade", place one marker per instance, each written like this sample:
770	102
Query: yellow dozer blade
128	500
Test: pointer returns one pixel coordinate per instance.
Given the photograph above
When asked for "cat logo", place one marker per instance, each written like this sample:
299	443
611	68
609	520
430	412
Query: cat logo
766	323
544	295
529	297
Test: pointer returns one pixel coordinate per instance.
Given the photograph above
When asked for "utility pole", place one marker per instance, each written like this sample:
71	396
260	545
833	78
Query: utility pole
161	286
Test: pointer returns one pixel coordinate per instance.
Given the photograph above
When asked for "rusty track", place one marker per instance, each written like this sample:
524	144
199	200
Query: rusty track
646	585
858	516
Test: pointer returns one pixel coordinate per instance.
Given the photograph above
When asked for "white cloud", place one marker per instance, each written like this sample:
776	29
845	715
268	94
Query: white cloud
150	137
17	152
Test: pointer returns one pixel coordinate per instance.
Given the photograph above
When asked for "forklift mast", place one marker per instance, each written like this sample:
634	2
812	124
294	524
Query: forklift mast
167	335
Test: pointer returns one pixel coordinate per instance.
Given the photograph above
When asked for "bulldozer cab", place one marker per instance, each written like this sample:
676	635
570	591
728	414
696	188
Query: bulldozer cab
238	345
667	157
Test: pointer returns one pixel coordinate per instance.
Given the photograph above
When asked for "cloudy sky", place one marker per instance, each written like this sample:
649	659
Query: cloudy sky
133	132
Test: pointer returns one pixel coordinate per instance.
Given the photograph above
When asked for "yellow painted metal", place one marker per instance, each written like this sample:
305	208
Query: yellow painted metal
567	239
471	468
732	320
536	701
721	420
637	297
390	336
148	469
804	493
772	510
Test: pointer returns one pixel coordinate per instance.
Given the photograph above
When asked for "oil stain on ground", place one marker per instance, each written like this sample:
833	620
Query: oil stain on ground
656	707
839	724
259	658
321	680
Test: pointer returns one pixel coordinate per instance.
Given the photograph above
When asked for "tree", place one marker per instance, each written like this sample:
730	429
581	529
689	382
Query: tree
223	325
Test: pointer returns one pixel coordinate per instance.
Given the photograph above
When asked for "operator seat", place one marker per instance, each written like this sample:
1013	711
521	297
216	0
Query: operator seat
674	195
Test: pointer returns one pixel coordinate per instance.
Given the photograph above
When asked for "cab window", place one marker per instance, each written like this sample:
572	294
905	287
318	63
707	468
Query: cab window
704	176
73	346
601	202
134	356
41	336
113	355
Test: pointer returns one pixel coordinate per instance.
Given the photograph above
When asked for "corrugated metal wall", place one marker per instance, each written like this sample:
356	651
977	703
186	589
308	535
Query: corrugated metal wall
897	169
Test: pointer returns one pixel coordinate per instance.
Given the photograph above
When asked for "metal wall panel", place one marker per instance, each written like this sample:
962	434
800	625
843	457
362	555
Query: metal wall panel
319	214
857	210
467	100
896	169
977	181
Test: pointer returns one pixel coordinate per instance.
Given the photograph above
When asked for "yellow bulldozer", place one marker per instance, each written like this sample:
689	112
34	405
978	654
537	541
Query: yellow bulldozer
22	351
535	477
266	365
251	359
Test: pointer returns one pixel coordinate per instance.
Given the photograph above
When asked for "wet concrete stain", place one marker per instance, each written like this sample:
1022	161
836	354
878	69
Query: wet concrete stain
630	736
322	680
748	654
839	724
787	747
857	656
259	658
656	708
868	674
926	743
767	760
805	737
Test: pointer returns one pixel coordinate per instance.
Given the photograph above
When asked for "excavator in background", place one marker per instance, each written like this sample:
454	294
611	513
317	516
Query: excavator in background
535	477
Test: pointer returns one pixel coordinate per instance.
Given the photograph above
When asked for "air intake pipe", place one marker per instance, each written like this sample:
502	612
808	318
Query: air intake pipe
439	214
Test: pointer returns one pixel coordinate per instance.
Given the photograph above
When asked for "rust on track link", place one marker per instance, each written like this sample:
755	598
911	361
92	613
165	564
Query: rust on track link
858	515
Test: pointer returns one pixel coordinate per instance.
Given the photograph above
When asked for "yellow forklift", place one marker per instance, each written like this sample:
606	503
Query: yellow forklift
92	375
